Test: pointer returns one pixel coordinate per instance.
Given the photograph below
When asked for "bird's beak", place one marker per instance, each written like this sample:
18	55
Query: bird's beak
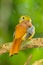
29	24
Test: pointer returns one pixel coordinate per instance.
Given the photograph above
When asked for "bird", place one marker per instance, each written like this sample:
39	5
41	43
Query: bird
24	30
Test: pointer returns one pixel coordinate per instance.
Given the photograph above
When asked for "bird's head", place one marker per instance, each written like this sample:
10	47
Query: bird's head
26	19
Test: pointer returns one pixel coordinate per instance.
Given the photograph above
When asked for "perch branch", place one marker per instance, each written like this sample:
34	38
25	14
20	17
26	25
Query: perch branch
33	43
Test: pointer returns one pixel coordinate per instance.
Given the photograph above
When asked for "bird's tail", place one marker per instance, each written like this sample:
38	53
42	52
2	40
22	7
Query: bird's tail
15	47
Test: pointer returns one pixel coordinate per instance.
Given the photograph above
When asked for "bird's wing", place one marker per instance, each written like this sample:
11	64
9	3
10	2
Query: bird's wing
20	31
29	34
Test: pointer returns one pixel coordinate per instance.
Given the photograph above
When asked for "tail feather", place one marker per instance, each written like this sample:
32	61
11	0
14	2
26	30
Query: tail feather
15	46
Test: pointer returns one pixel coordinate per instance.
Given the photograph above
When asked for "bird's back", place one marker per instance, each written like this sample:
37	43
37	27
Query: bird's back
20	30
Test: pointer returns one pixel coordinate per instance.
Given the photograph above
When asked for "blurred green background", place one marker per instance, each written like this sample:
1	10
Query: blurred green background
10	12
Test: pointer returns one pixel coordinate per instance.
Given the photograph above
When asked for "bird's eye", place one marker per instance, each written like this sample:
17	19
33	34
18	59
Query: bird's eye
23	17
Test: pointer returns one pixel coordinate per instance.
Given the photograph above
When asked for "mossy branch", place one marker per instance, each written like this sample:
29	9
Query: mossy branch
33	43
